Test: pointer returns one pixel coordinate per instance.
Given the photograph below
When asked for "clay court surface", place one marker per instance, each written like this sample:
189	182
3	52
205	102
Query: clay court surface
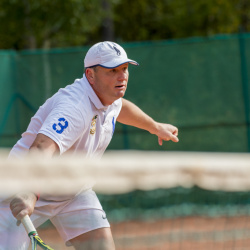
173	234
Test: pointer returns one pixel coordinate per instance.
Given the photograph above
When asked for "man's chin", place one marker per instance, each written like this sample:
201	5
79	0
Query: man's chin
121	93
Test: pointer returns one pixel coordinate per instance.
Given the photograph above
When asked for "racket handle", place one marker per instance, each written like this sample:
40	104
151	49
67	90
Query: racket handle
28	225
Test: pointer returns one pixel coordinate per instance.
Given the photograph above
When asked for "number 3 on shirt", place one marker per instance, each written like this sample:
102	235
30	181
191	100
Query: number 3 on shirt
62	124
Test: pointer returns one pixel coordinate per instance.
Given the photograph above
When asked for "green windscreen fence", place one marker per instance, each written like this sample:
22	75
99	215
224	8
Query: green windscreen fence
200	85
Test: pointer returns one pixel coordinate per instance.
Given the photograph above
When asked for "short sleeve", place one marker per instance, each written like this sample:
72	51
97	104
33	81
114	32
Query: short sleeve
64	125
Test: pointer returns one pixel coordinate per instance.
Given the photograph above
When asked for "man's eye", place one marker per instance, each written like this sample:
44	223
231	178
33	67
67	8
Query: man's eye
113	70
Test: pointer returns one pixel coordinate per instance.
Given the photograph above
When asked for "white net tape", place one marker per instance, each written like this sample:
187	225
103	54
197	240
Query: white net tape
124	171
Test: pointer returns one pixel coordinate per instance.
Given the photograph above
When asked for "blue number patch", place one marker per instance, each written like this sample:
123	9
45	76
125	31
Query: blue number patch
63	124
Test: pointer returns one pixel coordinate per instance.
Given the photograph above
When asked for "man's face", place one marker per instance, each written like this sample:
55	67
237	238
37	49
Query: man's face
110	84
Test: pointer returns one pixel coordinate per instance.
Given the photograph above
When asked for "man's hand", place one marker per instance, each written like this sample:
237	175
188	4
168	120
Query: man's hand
23	204
166	132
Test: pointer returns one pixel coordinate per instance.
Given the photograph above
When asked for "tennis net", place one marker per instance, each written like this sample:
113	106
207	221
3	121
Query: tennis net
153	200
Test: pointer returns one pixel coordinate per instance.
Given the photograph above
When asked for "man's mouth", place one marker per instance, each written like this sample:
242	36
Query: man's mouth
120	86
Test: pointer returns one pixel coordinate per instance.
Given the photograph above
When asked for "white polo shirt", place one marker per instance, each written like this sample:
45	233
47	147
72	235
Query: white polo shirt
75	119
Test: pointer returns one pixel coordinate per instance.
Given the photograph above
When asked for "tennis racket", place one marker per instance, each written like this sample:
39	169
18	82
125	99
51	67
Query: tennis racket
32	233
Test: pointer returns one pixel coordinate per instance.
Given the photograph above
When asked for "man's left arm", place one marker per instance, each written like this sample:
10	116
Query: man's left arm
132	115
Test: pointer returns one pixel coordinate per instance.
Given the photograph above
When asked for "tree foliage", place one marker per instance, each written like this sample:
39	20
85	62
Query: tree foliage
164	19
46	23
62	23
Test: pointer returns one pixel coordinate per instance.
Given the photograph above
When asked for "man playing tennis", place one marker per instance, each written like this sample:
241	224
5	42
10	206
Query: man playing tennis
80	117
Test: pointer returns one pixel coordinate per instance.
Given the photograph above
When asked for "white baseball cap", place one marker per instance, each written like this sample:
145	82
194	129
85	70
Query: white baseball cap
106	54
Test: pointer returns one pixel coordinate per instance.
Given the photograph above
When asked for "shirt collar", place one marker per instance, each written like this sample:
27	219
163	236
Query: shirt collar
92	95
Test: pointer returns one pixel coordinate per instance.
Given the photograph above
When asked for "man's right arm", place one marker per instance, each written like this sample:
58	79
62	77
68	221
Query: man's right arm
24	203
44	145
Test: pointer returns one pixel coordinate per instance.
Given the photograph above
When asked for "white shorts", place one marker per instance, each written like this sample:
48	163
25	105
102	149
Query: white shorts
72	218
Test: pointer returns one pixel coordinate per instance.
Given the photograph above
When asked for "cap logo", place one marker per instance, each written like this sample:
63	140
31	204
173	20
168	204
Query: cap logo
117	51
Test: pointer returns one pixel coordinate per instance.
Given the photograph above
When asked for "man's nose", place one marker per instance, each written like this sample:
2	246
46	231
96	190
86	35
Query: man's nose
123	76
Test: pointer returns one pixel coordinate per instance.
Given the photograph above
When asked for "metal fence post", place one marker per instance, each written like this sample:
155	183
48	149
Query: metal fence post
244	80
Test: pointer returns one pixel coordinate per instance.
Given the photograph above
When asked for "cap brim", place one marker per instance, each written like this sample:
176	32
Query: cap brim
116	63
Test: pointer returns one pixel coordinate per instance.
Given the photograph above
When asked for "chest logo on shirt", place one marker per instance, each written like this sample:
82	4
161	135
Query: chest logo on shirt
93	125
61	125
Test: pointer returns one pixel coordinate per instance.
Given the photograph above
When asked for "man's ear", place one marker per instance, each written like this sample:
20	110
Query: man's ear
90	75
